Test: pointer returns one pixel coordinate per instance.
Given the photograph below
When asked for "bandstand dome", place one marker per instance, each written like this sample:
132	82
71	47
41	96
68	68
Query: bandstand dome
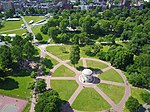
87	72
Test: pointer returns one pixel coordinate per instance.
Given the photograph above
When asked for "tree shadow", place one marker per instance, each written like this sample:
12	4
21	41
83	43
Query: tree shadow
95	70
142	109
80	68
8	84
66	107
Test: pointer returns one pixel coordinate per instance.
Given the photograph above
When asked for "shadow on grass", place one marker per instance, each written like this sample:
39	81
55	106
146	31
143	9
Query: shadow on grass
8	84
66	107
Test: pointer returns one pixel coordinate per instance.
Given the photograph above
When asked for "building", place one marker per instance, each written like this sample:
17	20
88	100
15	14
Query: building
7	5
87	76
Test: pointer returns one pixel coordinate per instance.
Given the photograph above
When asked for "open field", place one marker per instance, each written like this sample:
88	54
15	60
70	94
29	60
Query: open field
89	100
65	88
63	71
111	75
11	25
111	90
34	18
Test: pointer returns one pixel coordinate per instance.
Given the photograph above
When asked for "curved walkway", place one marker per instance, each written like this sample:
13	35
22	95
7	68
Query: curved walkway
117	107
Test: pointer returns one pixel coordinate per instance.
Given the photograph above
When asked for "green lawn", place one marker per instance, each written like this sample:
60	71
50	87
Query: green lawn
95	64
63	71
18	32
65	88
16	86
57	51
135	92
111	90
111	75
36	30
34	18
10	25
89	100
78	66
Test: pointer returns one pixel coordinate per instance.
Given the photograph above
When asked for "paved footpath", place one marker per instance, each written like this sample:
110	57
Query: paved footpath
117	107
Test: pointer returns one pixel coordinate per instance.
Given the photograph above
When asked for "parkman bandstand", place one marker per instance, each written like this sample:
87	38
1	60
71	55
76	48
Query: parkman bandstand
87	76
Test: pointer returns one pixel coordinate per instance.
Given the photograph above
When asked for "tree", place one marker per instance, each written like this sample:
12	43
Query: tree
122	59
7	38
9	13
18	41
17	54
74	54
29	36
74	23
44	29
52	32
40	86
5	57
145	97
49	101
132	104
29	50
39	36
63	25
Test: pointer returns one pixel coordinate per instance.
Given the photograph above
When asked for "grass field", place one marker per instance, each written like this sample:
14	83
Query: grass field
65	88
111	90
11	25
59	53
63	71
111	75
89	100
37	30
16	86
18	32
34	18
95	64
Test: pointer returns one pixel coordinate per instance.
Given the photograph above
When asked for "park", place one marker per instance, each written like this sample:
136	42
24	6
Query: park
94	77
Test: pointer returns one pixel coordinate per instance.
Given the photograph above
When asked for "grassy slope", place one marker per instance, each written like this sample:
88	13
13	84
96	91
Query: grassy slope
111	75
65	88
110	91
89	100
16	86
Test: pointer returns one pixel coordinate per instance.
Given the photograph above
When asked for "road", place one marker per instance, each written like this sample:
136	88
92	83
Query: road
29	28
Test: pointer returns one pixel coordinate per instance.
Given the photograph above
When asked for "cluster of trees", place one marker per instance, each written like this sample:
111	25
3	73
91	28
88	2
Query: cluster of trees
84	26
15	54
48	101
133	104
